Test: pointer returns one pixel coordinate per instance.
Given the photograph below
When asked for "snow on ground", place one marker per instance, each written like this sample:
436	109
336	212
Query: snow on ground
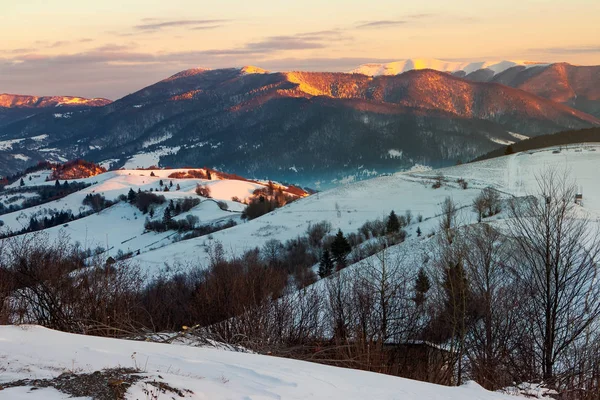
518	136
121	227
501	141
8	144
516	174
33	179
149	158
346	207
16	199
33	352
21	157
398	67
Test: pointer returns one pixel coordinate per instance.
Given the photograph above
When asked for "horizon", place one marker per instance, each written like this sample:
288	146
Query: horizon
270	71
125	47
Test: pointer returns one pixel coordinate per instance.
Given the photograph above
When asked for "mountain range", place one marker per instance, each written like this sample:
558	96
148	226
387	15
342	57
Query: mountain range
310	128
575	86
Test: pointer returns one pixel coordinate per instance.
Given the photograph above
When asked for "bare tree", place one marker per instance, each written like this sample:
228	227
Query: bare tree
487	203
448	220
555	257
493	286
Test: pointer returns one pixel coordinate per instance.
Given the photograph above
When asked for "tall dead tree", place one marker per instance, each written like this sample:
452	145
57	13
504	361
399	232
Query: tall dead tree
555	258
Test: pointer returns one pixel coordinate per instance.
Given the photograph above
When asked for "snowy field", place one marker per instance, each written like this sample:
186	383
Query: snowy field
346	207
31	352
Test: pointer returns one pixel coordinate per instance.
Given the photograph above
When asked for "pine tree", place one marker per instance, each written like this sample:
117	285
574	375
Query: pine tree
171	184
393	223
340	249
325	264
151	212
160	183
22	183
131	196
167	217
422	286
419	231
152	173
57	183
177	187
208	175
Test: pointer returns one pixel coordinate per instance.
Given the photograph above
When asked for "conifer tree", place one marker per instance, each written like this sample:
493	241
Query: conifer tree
57	183
393	223
131	196
422	286
325	264
340	249
167	217
22	183
419	231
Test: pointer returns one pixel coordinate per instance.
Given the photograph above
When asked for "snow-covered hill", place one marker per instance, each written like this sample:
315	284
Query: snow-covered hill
346	207
31	352
349	206
398	67
120	228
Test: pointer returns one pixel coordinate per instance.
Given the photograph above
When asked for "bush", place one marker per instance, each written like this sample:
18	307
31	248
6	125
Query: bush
203	190
177	175
97	202
187	203
373	229
316	232
144	200
487	203
437	183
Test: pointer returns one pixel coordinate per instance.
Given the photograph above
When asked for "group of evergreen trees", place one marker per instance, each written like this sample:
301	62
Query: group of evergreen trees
333	256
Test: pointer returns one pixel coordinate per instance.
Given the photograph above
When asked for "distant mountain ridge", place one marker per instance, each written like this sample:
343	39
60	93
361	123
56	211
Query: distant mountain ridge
25	101
299	127
573	85
456	67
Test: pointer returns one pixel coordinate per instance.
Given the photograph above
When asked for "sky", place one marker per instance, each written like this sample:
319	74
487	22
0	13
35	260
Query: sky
111	48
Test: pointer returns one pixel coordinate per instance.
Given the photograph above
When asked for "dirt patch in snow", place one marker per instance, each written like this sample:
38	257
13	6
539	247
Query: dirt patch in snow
108	384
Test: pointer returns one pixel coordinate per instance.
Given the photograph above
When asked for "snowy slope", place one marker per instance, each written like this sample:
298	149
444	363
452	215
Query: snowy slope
121	227
375	198
516	174
35	352
346	207
398	67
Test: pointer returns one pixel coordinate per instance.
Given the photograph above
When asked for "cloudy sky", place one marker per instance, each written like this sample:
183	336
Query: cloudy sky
110	48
